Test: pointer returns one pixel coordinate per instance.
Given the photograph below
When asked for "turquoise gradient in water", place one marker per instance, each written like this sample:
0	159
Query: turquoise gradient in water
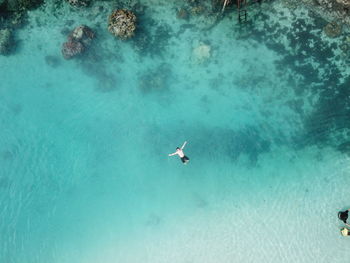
84	171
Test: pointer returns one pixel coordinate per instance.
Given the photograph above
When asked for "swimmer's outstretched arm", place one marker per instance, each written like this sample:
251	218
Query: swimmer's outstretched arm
183	146
172	154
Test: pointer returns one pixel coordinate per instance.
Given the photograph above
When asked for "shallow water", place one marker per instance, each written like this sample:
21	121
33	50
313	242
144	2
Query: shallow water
85	176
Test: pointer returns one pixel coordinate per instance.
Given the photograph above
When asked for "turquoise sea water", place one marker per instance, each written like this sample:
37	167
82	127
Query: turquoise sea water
85	176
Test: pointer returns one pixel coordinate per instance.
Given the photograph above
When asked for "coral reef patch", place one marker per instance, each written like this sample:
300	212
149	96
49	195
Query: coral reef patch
122	23
332	29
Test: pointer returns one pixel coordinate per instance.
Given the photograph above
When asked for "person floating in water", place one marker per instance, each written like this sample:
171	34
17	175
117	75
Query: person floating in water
343	216
180	153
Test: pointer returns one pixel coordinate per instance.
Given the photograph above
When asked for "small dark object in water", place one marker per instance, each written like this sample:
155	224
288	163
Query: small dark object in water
343	215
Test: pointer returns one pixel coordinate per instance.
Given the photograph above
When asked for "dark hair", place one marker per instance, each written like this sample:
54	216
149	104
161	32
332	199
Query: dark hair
177	148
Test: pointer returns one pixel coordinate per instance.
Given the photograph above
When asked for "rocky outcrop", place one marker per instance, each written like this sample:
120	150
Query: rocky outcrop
72	49
330	10
122	23
335	4
5	41
332	29
77	42
83	34
344	2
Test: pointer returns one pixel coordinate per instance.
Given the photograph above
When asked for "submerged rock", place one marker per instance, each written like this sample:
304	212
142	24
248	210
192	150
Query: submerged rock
72	48
290	4
79	3
182	14
197	10
5	41
201	53
122	23
332	29
78	41
17	19
83	34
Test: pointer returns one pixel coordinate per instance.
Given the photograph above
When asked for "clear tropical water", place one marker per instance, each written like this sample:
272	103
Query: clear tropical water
85	176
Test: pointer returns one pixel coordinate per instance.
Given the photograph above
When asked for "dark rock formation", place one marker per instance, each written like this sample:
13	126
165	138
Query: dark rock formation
83	34
72	48
78	41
